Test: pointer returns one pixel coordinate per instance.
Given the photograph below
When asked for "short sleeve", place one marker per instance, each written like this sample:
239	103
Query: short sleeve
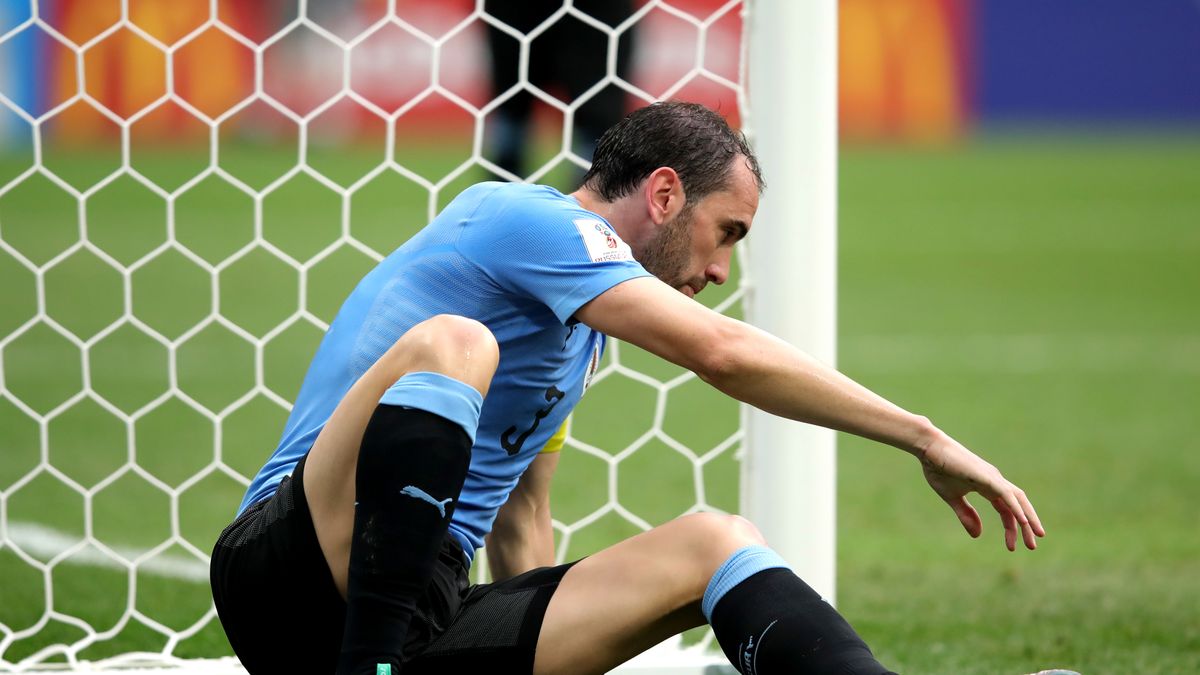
538	243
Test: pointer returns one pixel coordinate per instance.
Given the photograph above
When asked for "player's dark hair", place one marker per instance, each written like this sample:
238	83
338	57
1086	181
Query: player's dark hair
691	139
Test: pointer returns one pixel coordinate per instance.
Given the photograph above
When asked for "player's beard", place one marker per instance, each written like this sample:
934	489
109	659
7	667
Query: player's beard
668	252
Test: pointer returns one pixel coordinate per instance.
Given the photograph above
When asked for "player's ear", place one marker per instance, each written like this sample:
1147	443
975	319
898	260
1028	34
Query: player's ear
664	194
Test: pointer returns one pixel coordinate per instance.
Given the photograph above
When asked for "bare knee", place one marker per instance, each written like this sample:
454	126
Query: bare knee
452	345
711	538
748	529
722	529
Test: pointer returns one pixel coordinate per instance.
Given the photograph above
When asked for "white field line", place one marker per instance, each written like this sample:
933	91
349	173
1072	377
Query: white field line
45	542
150	664
1023	354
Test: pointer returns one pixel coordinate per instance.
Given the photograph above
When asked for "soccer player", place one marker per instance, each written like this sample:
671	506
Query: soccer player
418	428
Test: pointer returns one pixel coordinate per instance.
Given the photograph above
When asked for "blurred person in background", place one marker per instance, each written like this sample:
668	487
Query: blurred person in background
568	59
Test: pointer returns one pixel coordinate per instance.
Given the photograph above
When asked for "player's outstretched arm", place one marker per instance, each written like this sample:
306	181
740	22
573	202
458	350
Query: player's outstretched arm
768	373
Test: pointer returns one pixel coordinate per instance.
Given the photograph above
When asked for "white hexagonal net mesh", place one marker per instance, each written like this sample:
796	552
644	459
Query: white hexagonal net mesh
187	191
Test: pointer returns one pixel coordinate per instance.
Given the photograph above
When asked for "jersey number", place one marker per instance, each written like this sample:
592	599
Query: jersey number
553	395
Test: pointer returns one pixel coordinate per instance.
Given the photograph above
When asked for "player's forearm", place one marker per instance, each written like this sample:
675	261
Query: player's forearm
520	544
766	372
749	364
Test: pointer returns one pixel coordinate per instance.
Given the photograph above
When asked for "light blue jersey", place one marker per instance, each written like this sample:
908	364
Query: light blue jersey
521	259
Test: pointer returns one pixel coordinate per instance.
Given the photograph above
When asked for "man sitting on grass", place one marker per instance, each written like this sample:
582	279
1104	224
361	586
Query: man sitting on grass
418	428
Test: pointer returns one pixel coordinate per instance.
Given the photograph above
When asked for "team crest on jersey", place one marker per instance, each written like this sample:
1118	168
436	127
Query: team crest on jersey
593	365
603	244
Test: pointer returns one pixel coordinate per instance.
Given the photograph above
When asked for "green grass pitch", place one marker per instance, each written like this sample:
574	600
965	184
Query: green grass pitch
1036	296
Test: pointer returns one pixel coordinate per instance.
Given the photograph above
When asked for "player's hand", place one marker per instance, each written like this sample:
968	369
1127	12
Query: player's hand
954	471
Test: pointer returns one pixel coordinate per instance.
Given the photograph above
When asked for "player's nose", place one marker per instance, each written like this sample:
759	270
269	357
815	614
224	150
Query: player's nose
717	272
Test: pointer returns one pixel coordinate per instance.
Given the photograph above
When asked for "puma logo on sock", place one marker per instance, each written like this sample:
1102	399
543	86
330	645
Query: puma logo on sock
418	493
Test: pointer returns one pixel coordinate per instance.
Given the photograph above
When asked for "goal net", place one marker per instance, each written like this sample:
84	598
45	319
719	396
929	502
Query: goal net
187	192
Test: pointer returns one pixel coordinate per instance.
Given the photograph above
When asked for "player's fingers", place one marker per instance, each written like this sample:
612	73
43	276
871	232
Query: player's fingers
967	515
1017	509
1013	500
1029	537
1010	523
1030	513
1028	528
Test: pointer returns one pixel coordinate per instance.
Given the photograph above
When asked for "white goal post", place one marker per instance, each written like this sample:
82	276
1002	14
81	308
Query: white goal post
789	480
786	88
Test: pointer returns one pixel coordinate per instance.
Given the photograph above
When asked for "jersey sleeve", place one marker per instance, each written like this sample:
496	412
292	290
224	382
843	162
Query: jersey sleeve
550	250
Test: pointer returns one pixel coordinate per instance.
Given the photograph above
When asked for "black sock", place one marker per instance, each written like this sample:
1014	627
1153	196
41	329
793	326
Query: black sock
772	622
411	469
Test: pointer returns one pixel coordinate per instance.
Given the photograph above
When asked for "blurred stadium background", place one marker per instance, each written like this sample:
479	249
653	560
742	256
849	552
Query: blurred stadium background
1020	260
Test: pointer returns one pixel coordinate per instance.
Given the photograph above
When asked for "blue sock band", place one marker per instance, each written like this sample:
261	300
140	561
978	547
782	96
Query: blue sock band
744	563
439	394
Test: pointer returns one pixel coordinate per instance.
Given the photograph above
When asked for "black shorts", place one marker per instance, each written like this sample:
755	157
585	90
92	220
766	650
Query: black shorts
277	601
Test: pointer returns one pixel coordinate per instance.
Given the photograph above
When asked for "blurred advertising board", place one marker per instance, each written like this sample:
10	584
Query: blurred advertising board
19	82
909	69
922	69
904	68
212	66
1092	60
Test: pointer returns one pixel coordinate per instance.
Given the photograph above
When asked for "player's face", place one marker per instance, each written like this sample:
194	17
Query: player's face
696	246
667	254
